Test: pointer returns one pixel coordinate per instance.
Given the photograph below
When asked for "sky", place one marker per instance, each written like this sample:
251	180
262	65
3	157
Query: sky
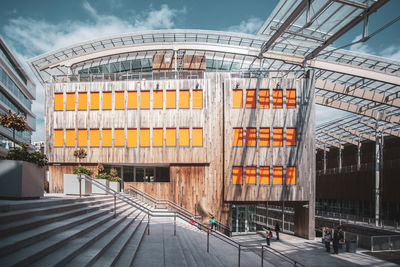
31	28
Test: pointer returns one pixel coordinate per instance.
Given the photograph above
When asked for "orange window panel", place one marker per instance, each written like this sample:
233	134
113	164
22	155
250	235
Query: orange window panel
264	175
119	137
264	136
291	98
120	100
70	101
58	137
291	175
158	99
277	175
184	136
132	137
94	137
144	99
107	100
171	99
94	100
237	96
107	137
251	175
184	96
197	98
197	137
82	137
145	137
277	136
82	101
158	137
171	137
251	98
237	175
277	98
70	137
132	100
237	137
290	136
264	98
251	137
58	101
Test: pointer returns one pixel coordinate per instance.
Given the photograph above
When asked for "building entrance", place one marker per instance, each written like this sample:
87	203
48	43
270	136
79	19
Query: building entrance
243	218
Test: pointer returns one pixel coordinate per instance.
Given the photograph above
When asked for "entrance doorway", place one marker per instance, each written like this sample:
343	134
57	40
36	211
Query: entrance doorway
243	218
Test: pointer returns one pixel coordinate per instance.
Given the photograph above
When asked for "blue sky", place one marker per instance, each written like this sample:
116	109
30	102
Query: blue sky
32	27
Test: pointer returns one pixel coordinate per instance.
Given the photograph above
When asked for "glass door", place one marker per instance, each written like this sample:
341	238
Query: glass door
242	219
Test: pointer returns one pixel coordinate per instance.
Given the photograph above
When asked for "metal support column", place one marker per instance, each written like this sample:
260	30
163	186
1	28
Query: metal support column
340	158
283	216
377	165
324	158
358	155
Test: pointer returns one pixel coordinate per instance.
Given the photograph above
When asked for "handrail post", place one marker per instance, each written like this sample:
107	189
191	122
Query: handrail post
239	256
262	255
208	241
115	205
148	222
174	223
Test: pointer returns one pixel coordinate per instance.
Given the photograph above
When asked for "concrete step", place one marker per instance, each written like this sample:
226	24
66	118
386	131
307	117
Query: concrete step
191	259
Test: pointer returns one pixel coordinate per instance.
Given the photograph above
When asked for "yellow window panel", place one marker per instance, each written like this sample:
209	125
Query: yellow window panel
277	136
197	136
171	137
184	136
237	137
250	98
197	98
237	98
251	175
132	138
144	99
132	100
107	137
264	136
82	101
251	137
58	137
184	98
171	99
157	137
158	99
70	101
107	100
58	101
94	100
291	175
264	175
120	100
119	137
70	137
277	175
145	137
277	98
94	137
237	175
291	98
290	136
82	137
264	98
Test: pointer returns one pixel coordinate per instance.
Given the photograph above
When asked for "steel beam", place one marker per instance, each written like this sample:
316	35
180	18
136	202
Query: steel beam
338	145
352	3
338	137
357	133
381	129
322	147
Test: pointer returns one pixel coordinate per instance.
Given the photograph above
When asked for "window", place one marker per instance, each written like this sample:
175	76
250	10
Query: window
277	175
107	137
264	98
144	99
70	137
171	99
120	100
183	98
158	99
157	137
119	137
147	174
183	136
290	136
237	175
291	175
171	137
70	101
264	175
132	100
58	137
144	137
251	137
58	101
237	137
197	98
251	175
277	137
264	136
277	98
197	137
250	98
94	137
94	100
107	100
291	98
82	137
82	101
237	98
132	137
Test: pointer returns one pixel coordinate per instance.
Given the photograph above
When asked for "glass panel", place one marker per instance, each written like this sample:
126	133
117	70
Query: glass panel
277	98
183	136
277	136
158	137
82	101
234	218
132	137
291	98
158	99
237	137
264	136
277	175
251	218
144	99
290	136
149	175
162	174
58	137
171	137
94	100
251	136
197	98
197	136
132	100
291	175
241	219
120	100
237	175
250	98
184	99
82	137
129	175
264	98
58	101
70	101
107	139
237	98
94	137
145	137
139	174
119	137
107	100
171	99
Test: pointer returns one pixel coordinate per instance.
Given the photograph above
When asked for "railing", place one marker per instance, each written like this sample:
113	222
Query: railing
385	243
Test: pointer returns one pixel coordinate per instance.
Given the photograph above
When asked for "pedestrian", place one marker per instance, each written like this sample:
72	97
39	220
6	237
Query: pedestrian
337	237
277	229
213	223
268	236
328	239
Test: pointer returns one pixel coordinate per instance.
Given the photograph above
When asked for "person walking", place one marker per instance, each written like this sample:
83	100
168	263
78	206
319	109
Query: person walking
268	236
213	223
277	230
328	239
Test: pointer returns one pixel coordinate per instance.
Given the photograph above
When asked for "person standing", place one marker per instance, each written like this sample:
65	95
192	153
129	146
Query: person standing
337	237
213	223
268	235
328	239
277	230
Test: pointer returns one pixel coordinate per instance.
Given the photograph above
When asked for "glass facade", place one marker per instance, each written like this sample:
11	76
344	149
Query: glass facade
145	174
13	88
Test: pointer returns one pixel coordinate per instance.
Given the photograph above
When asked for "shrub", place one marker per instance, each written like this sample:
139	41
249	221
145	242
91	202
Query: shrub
22	153
82	170
103	176
115	179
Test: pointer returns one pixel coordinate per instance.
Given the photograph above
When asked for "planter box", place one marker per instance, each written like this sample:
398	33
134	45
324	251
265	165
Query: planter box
71	185
21	179
116	186
98	190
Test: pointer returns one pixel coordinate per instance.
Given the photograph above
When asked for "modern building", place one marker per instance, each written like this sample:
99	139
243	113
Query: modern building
17	91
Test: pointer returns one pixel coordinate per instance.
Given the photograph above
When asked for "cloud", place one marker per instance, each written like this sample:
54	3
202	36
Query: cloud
251	25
